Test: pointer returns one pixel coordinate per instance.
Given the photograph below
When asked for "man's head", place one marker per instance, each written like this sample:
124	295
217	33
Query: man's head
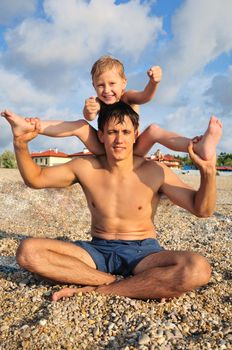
108	79
118	129
117	111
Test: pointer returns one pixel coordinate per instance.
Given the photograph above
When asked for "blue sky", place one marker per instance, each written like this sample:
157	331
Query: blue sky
47	49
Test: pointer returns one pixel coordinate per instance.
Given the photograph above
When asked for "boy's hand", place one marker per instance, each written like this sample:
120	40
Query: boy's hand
91	108
155	74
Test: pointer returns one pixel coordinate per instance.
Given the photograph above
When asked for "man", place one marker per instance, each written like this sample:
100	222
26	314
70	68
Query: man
122	192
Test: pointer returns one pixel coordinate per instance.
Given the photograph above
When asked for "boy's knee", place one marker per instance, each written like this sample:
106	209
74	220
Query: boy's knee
83	128
83	122
153	128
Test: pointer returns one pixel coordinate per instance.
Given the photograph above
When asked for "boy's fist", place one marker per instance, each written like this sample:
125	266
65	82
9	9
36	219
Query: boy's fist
91	108
155	74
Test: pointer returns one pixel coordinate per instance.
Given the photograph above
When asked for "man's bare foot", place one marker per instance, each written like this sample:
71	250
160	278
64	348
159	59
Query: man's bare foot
206	146
18	124
69	292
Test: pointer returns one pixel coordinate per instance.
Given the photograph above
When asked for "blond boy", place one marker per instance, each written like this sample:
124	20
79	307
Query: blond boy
109	81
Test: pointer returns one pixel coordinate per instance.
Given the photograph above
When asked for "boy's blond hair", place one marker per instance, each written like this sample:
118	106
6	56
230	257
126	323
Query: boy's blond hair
105	63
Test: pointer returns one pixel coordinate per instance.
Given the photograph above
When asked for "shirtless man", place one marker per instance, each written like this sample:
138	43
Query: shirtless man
122	192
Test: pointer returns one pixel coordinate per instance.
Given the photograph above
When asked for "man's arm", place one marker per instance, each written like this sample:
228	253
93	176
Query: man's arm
35	176
141	97
201	202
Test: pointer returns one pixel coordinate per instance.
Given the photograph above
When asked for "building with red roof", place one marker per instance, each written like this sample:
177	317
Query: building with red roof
50	157
54	157
167	159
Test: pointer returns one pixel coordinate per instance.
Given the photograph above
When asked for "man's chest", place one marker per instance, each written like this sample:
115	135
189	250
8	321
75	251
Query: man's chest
123	195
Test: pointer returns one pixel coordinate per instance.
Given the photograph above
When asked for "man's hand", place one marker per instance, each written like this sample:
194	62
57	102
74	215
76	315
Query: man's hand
155	74
205	165
23	139
19	125
91	108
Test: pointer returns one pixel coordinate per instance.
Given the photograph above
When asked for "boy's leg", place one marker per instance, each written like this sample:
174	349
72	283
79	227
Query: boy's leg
60	261
205	148
54	128
18	124
88	135
79	128
153	134
165	274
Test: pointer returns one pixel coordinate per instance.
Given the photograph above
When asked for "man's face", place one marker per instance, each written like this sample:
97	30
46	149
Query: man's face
109	86
118	138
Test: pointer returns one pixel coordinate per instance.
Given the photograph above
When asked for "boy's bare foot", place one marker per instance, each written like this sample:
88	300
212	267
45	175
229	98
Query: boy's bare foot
18	124
69	292
206	146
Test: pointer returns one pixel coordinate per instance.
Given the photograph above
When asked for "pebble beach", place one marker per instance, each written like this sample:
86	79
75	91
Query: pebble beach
200	319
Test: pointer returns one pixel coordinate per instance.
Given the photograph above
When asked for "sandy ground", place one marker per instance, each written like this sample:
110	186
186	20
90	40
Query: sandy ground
29	320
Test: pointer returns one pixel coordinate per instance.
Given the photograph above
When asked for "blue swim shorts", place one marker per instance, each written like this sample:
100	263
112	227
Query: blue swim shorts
119	257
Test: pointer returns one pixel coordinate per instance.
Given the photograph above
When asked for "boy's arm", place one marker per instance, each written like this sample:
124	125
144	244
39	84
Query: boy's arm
140	97
91	108
201	202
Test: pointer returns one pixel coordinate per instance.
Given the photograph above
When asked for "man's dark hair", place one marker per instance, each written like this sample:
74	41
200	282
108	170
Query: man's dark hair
118	111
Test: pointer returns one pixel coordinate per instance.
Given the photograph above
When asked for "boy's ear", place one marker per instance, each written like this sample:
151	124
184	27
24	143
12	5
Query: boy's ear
100	136
124	83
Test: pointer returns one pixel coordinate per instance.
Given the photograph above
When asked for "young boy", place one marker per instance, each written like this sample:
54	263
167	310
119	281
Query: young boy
109	81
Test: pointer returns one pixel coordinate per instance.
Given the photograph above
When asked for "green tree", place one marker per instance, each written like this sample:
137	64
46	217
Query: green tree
7	159
185	160
224	159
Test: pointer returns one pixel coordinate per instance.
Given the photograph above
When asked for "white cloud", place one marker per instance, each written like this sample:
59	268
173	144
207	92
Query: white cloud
46	62
75	33
201	32
10	9
18	93
220	93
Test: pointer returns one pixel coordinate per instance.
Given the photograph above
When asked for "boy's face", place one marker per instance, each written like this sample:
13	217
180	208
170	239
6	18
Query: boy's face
109	86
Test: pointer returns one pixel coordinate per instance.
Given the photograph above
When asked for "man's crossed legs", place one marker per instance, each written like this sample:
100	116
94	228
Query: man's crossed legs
165	274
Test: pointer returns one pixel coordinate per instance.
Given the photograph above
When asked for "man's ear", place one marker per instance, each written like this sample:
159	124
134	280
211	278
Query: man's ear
136	134
100	136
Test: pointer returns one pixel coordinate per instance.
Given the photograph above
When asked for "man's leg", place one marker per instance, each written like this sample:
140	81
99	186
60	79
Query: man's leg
166	274
60	261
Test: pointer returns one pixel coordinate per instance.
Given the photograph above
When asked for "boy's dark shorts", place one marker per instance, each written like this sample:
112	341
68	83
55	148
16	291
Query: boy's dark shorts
119	257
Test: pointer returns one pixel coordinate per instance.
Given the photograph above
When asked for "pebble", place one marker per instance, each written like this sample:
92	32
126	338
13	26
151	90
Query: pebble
29	320
42	322
144	339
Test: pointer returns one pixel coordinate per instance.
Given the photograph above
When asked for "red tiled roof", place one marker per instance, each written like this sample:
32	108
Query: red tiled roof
165	158
169	158
224	167
49	153
82	153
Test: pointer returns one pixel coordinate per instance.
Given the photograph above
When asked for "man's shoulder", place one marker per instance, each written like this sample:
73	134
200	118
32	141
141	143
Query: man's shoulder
149	163
93	161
